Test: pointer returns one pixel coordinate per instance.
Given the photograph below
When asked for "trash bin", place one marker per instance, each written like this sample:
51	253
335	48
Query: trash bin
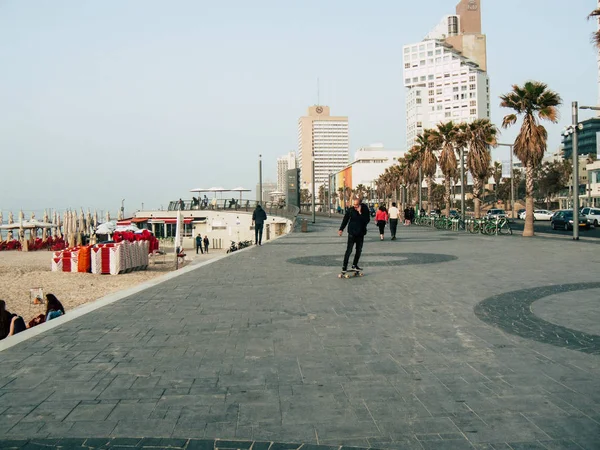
304	226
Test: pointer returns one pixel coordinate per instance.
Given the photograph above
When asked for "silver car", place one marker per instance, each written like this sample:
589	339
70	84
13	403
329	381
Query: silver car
592	214
496	214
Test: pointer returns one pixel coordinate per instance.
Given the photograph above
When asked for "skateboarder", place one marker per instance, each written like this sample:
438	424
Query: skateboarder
357	219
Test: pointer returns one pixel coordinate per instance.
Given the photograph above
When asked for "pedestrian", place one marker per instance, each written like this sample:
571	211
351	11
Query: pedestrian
199	244
181	204
258	220
411	215
10	324
394	214
356	219
381	218
406	215
206	242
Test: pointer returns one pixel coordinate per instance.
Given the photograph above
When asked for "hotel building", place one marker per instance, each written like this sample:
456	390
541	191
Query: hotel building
445	74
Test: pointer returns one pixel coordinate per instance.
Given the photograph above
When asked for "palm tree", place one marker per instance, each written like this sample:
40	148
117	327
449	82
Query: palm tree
596	35
497	176
444	138
480	136
360	191
427	160
533	101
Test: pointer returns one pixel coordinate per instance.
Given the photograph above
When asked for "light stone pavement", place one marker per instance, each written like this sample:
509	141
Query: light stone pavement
438	346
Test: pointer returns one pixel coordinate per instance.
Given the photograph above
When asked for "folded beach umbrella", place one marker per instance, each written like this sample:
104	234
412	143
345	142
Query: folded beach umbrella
45	230
11	220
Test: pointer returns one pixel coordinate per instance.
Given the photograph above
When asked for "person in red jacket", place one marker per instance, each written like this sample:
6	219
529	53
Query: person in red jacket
381	218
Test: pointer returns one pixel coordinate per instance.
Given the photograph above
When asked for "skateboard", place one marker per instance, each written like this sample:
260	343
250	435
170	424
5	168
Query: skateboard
351	274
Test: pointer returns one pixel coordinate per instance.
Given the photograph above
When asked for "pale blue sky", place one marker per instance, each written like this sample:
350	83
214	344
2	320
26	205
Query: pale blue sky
145	99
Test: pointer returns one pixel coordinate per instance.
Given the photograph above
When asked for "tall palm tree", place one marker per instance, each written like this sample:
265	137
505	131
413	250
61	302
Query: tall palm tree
411	172
534	101
480	136
427	160
596	35
444	138
497	176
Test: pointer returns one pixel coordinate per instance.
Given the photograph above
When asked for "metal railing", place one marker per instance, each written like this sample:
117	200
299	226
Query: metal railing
231	205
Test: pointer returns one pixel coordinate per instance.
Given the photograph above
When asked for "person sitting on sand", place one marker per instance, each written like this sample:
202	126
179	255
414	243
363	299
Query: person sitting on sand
10	323
54	307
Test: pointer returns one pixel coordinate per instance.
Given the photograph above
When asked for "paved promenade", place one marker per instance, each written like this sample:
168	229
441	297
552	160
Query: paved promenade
448	342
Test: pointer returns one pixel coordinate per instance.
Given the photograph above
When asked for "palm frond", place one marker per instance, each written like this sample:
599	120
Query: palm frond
509	120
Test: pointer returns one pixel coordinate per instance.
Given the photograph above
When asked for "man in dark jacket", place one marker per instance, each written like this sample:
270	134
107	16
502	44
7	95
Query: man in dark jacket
258	219
357	219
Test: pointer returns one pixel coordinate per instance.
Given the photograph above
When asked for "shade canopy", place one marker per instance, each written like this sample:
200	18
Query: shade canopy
218	189
199	190
240	189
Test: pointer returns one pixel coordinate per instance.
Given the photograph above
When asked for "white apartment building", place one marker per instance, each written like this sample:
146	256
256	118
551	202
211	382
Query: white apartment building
442	86
284	164
445	74
370	162
325	137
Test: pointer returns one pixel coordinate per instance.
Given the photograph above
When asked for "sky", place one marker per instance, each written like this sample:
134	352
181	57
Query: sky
144	100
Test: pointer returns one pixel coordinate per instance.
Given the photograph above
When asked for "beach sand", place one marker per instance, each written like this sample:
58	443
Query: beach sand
22	271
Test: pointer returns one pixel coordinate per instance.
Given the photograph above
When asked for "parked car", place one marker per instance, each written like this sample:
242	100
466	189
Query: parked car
454	214
563	219
496	214
542	214
592	214
521	212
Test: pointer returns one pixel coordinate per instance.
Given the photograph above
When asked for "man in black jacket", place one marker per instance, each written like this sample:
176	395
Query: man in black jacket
258	219
357	219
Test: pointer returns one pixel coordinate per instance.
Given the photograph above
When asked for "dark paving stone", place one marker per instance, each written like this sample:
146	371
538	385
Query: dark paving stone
512	313
200	444
376	260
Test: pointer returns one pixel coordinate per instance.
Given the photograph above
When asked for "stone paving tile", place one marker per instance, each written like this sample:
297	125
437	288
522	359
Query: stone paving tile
283	351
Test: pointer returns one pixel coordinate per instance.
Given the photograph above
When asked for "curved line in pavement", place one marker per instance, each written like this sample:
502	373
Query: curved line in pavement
511	312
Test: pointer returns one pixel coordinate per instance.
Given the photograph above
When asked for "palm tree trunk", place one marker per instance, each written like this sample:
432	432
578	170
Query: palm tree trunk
528	229
447	194
476	195
429	181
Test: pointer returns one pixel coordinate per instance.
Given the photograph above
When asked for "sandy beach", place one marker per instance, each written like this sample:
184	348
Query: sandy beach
22	271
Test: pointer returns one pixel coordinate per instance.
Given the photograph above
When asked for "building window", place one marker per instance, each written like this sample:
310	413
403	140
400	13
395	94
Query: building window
418	101
456	97
471	87
423	78
473	103
430	53
419	124
406	50
431	100
463	88
439	107
447	114
472	78
431	84
407	80
415	79
455	89
473	111
438	91
407	65
430	77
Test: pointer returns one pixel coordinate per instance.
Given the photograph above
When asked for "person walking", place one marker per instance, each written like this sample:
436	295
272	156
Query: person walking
258	220
394	214
381	218
356	218
206	242
199	244
411	215
406	215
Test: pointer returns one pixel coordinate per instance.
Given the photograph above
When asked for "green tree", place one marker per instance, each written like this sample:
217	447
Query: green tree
497	176
444	138
480	136
534	101
427	160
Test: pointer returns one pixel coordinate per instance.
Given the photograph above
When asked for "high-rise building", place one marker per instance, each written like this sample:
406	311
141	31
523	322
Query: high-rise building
285	163
445	74
326	137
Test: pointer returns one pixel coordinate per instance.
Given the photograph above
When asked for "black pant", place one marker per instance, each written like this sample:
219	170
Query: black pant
393	227
358	240
206	248
258	230
199	246
381	225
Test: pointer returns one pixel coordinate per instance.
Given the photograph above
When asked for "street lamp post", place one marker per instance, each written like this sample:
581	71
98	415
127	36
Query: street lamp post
575	111
260	189
314	198
462	182
421	190
512	180
329	194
